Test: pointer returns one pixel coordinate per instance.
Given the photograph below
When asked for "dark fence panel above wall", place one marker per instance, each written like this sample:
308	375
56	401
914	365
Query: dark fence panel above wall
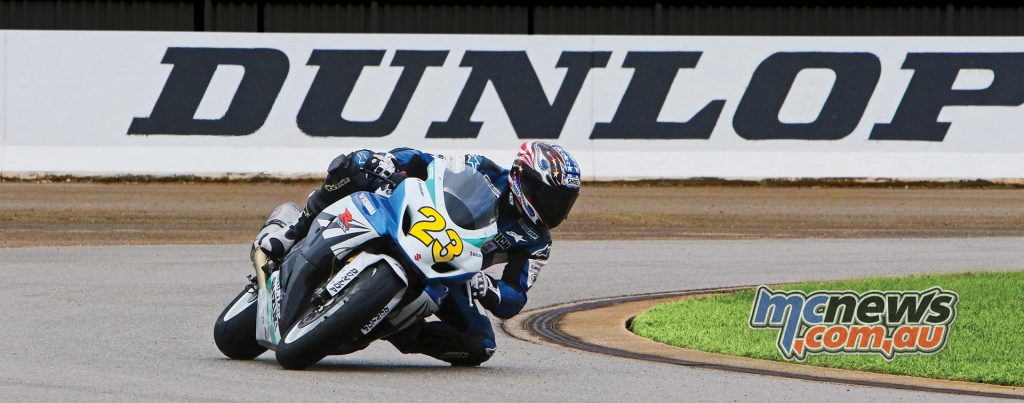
317	17
395	18
231	16
813	20
455	19
596	20
569	17
97	15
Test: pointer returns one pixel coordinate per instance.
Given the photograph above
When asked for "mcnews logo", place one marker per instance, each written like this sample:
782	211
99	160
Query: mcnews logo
886	323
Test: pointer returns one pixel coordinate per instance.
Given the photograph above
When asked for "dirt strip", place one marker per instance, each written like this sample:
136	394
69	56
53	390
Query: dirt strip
604	329
56	214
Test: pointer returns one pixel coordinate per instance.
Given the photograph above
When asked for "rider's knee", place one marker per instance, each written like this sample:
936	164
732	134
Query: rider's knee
478	349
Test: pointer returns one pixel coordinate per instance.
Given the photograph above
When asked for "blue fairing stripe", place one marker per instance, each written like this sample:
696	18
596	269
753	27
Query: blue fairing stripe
383	220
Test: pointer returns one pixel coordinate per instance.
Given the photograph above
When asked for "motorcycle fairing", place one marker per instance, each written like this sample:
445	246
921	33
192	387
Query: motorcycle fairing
415	218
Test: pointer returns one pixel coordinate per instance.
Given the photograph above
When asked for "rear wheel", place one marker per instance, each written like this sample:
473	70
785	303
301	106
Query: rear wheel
235	331
337	322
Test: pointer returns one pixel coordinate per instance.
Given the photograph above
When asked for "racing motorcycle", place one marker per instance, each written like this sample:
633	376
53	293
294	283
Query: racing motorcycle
370	265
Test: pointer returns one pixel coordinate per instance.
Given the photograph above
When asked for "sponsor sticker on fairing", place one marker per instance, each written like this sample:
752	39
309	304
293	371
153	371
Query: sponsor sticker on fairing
276	286
365	200
848	322
345	219
489	246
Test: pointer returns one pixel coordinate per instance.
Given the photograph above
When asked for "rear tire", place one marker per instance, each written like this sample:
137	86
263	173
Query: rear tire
321	329
235	331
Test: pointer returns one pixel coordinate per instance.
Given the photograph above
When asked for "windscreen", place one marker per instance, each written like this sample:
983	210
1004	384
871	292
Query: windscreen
470	198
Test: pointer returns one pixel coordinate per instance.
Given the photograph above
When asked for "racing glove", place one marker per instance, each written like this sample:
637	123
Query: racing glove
382	171
482	288
276	244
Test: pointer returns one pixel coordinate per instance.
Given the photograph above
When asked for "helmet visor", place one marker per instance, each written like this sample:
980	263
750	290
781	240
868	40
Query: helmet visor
552	204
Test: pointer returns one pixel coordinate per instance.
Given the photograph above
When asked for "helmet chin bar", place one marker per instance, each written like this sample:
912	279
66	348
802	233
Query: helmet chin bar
524	211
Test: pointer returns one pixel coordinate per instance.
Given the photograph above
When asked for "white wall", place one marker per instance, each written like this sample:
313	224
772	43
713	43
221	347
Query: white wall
69	97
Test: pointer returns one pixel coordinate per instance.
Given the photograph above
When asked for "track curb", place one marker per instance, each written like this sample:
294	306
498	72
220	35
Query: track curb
600	326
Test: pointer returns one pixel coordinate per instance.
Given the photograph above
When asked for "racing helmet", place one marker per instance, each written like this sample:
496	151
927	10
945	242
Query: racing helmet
545	182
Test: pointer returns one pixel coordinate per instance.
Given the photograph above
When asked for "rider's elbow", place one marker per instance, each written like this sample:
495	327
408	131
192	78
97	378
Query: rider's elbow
506	314
508	310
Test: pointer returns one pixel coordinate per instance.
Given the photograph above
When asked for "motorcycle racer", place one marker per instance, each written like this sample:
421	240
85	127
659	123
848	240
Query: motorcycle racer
535	195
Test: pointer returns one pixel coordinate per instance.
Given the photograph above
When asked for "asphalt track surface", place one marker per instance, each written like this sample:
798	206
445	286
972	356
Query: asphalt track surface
135	323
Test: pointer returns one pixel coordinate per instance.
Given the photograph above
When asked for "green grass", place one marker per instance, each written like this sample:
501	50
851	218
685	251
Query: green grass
985	343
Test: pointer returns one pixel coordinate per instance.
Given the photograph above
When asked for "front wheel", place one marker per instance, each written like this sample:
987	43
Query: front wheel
235	331
339	320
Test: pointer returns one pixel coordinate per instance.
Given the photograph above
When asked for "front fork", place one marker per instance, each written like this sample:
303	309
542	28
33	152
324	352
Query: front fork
268	291
259	260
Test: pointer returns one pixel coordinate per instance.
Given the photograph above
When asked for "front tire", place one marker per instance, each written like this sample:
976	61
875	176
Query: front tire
235	331
322	328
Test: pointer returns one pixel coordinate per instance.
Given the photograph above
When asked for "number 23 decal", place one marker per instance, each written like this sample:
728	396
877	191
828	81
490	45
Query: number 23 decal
426	231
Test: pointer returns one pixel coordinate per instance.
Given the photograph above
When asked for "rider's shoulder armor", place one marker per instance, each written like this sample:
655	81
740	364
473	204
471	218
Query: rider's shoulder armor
495	174
516	235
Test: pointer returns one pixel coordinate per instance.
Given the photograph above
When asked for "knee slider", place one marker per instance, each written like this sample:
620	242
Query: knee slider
478	350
